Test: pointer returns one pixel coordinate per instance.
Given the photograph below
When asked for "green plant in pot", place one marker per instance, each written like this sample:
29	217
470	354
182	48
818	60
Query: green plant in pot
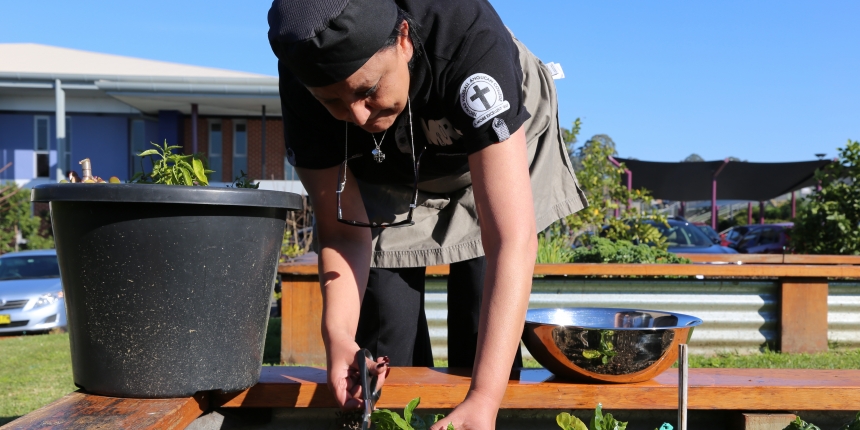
167	287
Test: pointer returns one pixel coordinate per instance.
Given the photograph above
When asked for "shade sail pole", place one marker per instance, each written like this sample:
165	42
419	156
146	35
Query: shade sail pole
793	205
714	194
761	212
749	213
629	182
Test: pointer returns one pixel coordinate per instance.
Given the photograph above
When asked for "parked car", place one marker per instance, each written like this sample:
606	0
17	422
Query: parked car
765	239
733	235
684	237
711	233
31	293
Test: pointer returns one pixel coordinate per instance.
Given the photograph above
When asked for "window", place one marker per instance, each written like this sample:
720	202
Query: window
289	171
42	160
215	151
769	236
34	267
240	149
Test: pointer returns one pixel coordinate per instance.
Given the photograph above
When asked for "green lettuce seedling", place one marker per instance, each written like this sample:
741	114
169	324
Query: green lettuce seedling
599	422
799	424
384	419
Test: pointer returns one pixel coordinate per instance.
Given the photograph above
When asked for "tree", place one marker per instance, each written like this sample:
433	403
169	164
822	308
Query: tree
830	221
16	221
693	158
600	179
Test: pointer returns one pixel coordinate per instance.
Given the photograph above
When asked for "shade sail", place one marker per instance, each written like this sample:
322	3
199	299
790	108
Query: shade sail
736	181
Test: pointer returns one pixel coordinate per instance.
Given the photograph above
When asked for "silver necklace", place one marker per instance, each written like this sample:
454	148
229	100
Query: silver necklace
378	155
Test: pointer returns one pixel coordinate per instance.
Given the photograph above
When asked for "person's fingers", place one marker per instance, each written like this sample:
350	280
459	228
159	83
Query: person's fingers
381	371
441	425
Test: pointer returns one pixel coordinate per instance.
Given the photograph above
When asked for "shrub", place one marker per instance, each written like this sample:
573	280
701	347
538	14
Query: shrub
16	218
602	250
601	181
830	221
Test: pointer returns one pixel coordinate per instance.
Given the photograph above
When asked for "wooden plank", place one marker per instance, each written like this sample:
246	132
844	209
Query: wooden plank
79	410
772	258
708	270
710	389
822	259
301	319
803	315
735	258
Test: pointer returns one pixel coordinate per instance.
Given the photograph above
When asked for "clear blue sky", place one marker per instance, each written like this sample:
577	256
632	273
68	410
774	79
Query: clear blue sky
762	80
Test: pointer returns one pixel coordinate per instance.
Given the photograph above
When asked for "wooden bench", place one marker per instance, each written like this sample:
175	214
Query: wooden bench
735	390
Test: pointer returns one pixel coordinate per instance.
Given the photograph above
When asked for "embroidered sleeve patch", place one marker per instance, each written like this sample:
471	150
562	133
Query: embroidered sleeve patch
481	98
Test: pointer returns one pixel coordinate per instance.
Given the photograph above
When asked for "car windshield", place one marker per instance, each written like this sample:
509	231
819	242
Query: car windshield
32	267
683	235
713	235
736	234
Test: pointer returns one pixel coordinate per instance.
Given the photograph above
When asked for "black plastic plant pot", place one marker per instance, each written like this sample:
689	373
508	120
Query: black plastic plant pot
167	288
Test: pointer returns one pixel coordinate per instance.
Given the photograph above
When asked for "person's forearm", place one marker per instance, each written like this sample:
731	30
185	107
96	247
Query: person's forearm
504	304
344	258
343	267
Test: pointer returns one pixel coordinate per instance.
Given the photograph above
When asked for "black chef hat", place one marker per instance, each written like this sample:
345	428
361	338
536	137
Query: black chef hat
326	41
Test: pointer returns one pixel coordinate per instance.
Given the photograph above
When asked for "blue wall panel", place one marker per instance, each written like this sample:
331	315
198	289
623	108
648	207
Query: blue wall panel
16	139
104	140
169	127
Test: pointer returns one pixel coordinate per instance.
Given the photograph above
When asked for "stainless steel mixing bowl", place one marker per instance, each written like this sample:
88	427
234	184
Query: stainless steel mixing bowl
606	344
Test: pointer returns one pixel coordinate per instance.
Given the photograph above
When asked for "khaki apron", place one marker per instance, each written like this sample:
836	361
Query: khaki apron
446	226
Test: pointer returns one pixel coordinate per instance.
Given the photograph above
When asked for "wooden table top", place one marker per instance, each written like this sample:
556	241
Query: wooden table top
79	410
719	389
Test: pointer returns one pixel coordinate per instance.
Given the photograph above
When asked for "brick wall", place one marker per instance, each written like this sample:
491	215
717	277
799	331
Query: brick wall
275	150
227	174
202	135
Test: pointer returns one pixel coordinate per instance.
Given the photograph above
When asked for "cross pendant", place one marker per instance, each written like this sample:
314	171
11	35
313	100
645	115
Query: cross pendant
378	155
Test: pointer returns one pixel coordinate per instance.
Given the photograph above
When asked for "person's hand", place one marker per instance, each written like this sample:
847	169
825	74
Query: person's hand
344	380
477	412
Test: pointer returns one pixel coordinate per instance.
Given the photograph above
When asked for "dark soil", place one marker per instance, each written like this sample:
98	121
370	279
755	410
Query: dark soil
634	350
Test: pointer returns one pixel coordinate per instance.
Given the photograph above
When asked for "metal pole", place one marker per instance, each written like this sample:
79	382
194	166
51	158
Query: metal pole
683	209
749	213
761	212
714	194
682	386
714	203
793	205
193	128
60	97
263	145
629	187
629	181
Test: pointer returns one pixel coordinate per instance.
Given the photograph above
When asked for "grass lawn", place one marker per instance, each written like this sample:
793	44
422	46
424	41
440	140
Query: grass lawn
36	370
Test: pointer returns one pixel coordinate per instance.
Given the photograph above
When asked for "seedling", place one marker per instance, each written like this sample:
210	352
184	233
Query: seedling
799	424
384	419
600	421
242	181
605	350
172	169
